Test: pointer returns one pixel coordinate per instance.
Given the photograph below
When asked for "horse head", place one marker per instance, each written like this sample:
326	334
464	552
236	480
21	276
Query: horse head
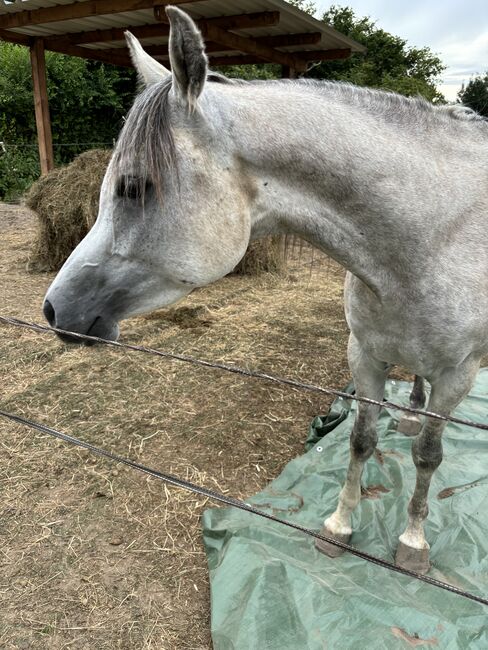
174	204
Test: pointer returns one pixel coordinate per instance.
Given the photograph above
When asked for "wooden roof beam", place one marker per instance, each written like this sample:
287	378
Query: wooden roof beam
325	55
107	35
281	40
241	21
245	21
14	37
233	41
120	57
288	40
311	55
250	46
115	57
77	10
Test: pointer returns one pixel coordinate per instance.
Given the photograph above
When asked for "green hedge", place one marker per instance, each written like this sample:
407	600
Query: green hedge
87	101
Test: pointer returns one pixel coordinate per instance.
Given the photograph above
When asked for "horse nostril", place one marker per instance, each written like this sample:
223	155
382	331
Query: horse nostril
48	311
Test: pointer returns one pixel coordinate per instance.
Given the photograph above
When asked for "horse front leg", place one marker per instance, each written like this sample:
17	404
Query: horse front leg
448	390
369	380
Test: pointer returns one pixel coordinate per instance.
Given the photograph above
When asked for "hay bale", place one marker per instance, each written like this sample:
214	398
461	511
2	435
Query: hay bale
66	203
264	255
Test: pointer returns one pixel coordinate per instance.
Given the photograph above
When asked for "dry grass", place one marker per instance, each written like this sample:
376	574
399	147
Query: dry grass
97	556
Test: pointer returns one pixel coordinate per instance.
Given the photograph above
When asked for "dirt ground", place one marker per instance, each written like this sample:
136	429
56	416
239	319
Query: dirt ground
94	555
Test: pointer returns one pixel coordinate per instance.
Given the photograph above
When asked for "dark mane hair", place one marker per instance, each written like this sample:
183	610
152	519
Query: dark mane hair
147	137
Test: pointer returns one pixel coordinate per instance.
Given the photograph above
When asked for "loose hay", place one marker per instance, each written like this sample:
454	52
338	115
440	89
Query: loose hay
66	203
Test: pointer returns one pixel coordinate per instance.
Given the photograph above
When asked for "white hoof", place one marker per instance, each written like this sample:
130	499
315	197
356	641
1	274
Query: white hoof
409	424
413	559
327	548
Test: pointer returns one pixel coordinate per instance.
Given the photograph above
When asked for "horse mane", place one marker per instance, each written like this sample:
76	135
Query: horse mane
462	112
375	100
147	136
395	107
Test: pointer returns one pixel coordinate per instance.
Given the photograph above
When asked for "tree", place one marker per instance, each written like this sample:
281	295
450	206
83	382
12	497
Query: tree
475	95
388	63
305	5
87	101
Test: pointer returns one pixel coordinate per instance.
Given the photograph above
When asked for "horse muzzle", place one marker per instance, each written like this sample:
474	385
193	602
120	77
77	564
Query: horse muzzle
98	326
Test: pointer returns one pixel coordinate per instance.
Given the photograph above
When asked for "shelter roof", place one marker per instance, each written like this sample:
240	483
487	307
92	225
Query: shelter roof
236	31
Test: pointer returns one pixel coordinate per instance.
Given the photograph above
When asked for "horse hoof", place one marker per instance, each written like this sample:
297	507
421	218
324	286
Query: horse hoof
329	549
414	559
409	425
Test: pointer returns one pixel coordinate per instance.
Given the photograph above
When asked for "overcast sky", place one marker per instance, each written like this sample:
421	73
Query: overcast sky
456	31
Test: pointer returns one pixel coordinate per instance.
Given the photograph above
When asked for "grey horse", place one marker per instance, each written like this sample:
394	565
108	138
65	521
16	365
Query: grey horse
394	189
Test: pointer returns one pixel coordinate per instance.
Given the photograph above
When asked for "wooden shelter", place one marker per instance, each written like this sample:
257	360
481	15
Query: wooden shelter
236	32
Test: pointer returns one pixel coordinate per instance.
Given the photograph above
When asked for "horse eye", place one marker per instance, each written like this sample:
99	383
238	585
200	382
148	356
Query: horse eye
132	187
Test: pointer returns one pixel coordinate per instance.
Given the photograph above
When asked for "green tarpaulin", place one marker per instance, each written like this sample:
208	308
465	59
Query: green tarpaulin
272	590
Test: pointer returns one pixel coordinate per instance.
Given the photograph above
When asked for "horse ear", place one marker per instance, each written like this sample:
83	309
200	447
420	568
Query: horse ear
187	56
148	69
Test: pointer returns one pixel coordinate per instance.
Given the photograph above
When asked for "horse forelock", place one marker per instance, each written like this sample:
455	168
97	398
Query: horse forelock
146	146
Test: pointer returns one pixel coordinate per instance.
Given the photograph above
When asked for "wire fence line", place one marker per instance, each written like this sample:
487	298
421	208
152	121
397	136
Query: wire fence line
291	383
216	496
242	505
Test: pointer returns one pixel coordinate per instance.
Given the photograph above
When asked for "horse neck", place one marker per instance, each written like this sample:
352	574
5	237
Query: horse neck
342	179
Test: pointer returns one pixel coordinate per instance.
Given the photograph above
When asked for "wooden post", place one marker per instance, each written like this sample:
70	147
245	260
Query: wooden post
288	73
43	122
